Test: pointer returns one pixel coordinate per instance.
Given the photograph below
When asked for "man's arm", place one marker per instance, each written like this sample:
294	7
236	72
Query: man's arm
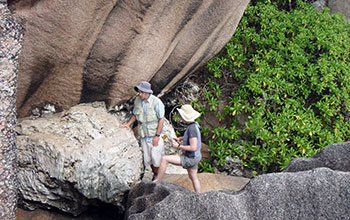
159	130
160	110
160	125
131	120
129	123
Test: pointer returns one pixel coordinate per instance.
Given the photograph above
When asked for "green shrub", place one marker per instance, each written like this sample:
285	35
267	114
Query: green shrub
293	71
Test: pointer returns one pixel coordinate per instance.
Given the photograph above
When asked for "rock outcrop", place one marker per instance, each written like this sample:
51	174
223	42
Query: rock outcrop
318	193
76	159
334	156
79	158
83	51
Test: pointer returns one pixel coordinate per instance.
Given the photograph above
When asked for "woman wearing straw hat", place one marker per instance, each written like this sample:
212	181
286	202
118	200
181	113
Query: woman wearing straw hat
190	144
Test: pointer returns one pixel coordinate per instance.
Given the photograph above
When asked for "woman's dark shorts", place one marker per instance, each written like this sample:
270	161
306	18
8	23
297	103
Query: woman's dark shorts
190	162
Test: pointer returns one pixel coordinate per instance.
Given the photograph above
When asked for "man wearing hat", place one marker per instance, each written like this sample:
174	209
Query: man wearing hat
190	144
149	112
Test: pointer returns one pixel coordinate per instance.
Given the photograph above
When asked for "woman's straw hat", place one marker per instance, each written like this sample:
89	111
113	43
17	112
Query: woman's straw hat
188	113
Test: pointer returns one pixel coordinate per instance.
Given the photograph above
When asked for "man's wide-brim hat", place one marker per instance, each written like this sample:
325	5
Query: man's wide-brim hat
144	87
188	113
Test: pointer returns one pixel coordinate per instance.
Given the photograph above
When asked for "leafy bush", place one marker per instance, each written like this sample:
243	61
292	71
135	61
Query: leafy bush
293	74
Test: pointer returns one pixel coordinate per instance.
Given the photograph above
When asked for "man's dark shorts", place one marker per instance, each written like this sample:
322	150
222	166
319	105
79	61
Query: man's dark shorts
188	162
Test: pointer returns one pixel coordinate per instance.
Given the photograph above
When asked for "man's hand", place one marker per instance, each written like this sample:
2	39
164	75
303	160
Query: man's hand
155	141
129	123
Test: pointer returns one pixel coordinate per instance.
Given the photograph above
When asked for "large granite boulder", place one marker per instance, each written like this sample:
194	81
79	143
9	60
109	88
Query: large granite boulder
315	194
76	159
82	51
311	188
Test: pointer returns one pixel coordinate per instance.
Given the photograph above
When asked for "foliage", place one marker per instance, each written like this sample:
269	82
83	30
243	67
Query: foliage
294	83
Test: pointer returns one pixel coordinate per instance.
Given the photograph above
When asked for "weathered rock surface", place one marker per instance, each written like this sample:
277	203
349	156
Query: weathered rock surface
76	158
10	47
82	51
209	182
312	188
316	194
334	156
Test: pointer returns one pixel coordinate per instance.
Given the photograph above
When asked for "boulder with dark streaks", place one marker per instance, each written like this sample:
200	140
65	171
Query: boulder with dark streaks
83	51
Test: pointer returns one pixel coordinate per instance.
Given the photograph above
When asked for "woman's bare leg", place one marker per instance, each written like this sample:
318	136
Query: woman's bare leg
173	159
194	178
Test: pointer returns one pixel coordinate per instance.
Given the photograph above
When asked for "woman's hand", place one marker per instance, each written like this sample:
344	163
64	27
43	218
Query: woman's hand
174	143
177	139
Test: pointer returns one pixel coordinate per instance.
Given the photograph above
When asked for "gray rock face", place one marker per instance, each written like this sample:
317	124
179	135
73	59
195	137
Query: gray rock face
312	188
76	158
334	156
83	51
316	194
320	4
335	6
341	6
